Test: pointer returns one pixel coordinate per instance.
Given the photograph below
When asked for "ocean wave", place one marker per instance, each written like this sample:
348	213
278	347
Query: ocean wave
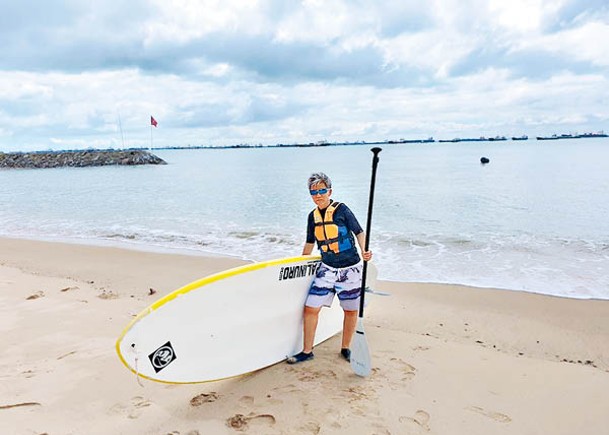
556	266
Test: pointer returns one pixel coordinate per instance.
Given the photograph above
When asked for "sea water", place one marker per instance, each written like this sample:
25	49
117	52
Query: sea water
534	219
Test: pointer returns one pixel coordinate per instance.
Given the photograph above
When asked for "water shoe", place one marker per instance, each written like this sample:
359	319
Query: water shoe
346	353
301	357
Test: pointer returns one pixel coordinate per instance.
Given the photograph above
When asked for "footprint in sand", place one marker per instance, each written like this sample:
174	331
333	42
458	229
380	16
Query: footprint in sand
107	295
420	419
290	388
310	428
138	404
380	430
314	375
359	400
497	416
204	398
407	371
134	409
247	400
357	393
241	422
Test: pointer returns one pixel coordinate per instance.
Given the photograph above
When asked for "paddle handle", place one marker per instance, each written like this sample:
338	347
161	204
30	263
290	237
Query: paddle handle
375	162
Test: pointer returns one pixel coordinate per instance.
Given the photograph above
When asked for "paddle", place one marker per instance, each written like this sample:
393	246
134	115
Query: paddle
360	354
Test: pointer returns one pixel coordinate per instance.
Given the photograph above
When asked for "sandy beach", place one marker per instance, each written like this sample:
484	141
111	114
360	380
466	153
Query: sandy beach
446	359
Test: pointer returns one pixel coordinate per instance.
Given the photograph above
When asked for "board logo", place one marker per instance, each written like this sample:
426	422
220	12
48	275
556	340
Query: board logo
291	272
162	357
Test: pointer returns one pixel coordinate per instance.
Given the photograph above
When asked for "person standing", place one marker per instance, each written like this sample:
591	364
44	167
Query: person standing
335	230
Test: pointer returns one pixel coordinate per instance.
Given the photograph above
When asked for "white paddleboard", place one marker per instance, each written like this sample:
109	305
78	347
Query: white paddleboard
227	324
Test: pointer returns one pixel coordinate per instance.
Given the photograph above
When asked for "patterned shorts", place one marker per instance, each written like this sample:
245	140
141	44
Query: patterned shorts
346	282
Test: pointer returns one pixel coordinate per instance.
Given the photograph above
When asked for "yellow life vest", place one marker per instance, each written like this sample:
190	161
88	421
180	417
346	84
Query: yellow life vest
326	231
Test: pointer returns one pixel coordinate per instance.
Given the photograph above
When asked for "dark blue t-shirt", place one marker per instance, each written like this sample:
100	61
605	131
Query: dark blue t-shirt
347	226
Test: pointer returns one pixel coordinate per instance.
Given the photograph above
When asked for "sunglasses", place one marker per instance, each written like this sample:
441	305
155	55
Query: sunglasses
319	191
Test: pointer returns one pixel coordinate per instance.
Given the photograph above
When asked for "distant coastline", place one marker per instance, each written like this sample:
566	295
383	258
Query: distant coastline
397	141
322	143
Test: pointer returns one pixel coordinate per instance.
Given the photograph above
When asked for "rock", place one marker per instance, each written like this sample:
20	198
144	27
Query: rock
85	158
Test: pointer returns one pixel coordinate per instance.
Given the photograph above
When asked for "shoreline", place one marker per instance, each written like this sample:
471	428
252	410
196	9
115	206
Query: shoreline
169	250
446	358
126	245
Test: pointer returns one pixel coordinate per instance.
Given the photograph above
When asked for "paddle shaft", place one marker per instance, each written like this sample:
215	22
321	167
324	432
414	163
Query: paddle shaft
375	162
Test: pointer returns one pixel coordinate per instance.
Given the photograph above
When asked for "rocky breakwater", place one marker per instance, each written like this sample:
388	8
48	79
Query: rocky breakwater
58	159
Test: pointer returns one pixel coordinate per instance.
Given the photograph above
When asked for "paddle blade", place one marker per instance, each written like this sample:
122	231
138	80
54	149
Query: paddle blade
360	354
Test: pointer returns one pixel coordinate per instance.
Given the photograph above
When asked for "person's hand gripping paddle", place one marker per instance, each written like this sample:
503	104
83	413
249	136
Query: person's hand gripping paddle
360	354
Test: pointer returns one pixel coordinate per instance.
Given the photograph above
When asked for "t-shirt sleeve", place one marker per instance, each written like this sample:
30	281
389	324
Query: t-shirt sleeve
310	229
351	221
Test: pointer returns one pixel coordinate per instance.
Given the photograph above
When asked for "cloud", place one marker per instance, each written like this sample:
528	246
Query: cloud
237	71
579	43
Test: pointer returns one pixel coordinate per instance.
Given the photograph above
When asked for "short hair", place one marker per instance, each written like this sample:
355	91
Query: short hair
319	177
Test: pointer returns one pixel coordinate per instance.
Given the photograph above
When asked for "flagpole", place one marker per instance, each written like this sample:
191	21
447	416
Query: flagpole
153	123
120	126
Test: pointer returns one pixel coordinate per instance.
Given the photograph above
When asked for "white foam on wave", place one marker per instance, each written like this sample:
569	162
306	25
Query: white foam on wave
576	269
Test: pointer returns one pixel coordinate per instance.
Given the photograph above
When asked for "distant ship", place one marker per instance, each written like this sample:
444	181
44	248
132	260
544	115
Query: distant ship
475	139
428	140
556	137
599	134
572	136
524	137
553	137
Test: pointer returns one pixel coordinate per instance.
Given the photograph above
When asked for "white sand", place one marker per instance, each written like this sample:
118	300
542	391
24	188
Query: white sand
447	359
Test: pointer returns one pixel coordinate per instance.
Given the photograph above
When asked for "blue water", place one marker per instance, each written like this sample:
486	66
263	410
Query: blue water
534	219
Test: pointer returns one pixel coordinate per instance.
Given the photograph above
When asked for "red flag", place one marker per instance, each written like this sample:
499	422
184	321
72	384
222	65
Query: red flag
153	121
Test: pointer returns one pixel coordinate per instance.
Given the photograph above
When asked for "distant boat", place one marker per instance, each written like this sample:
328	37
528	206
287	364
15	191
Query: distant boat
553	137
587	135
572	136
474	139
428	140
524	137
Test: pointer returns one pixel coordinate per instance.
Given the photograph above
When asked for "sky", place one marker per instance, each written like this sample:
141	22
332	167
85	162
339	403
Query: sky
80	74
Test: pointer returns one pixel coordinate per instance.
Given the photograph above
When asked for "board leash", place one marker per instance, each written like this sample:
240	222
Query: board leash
137	372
